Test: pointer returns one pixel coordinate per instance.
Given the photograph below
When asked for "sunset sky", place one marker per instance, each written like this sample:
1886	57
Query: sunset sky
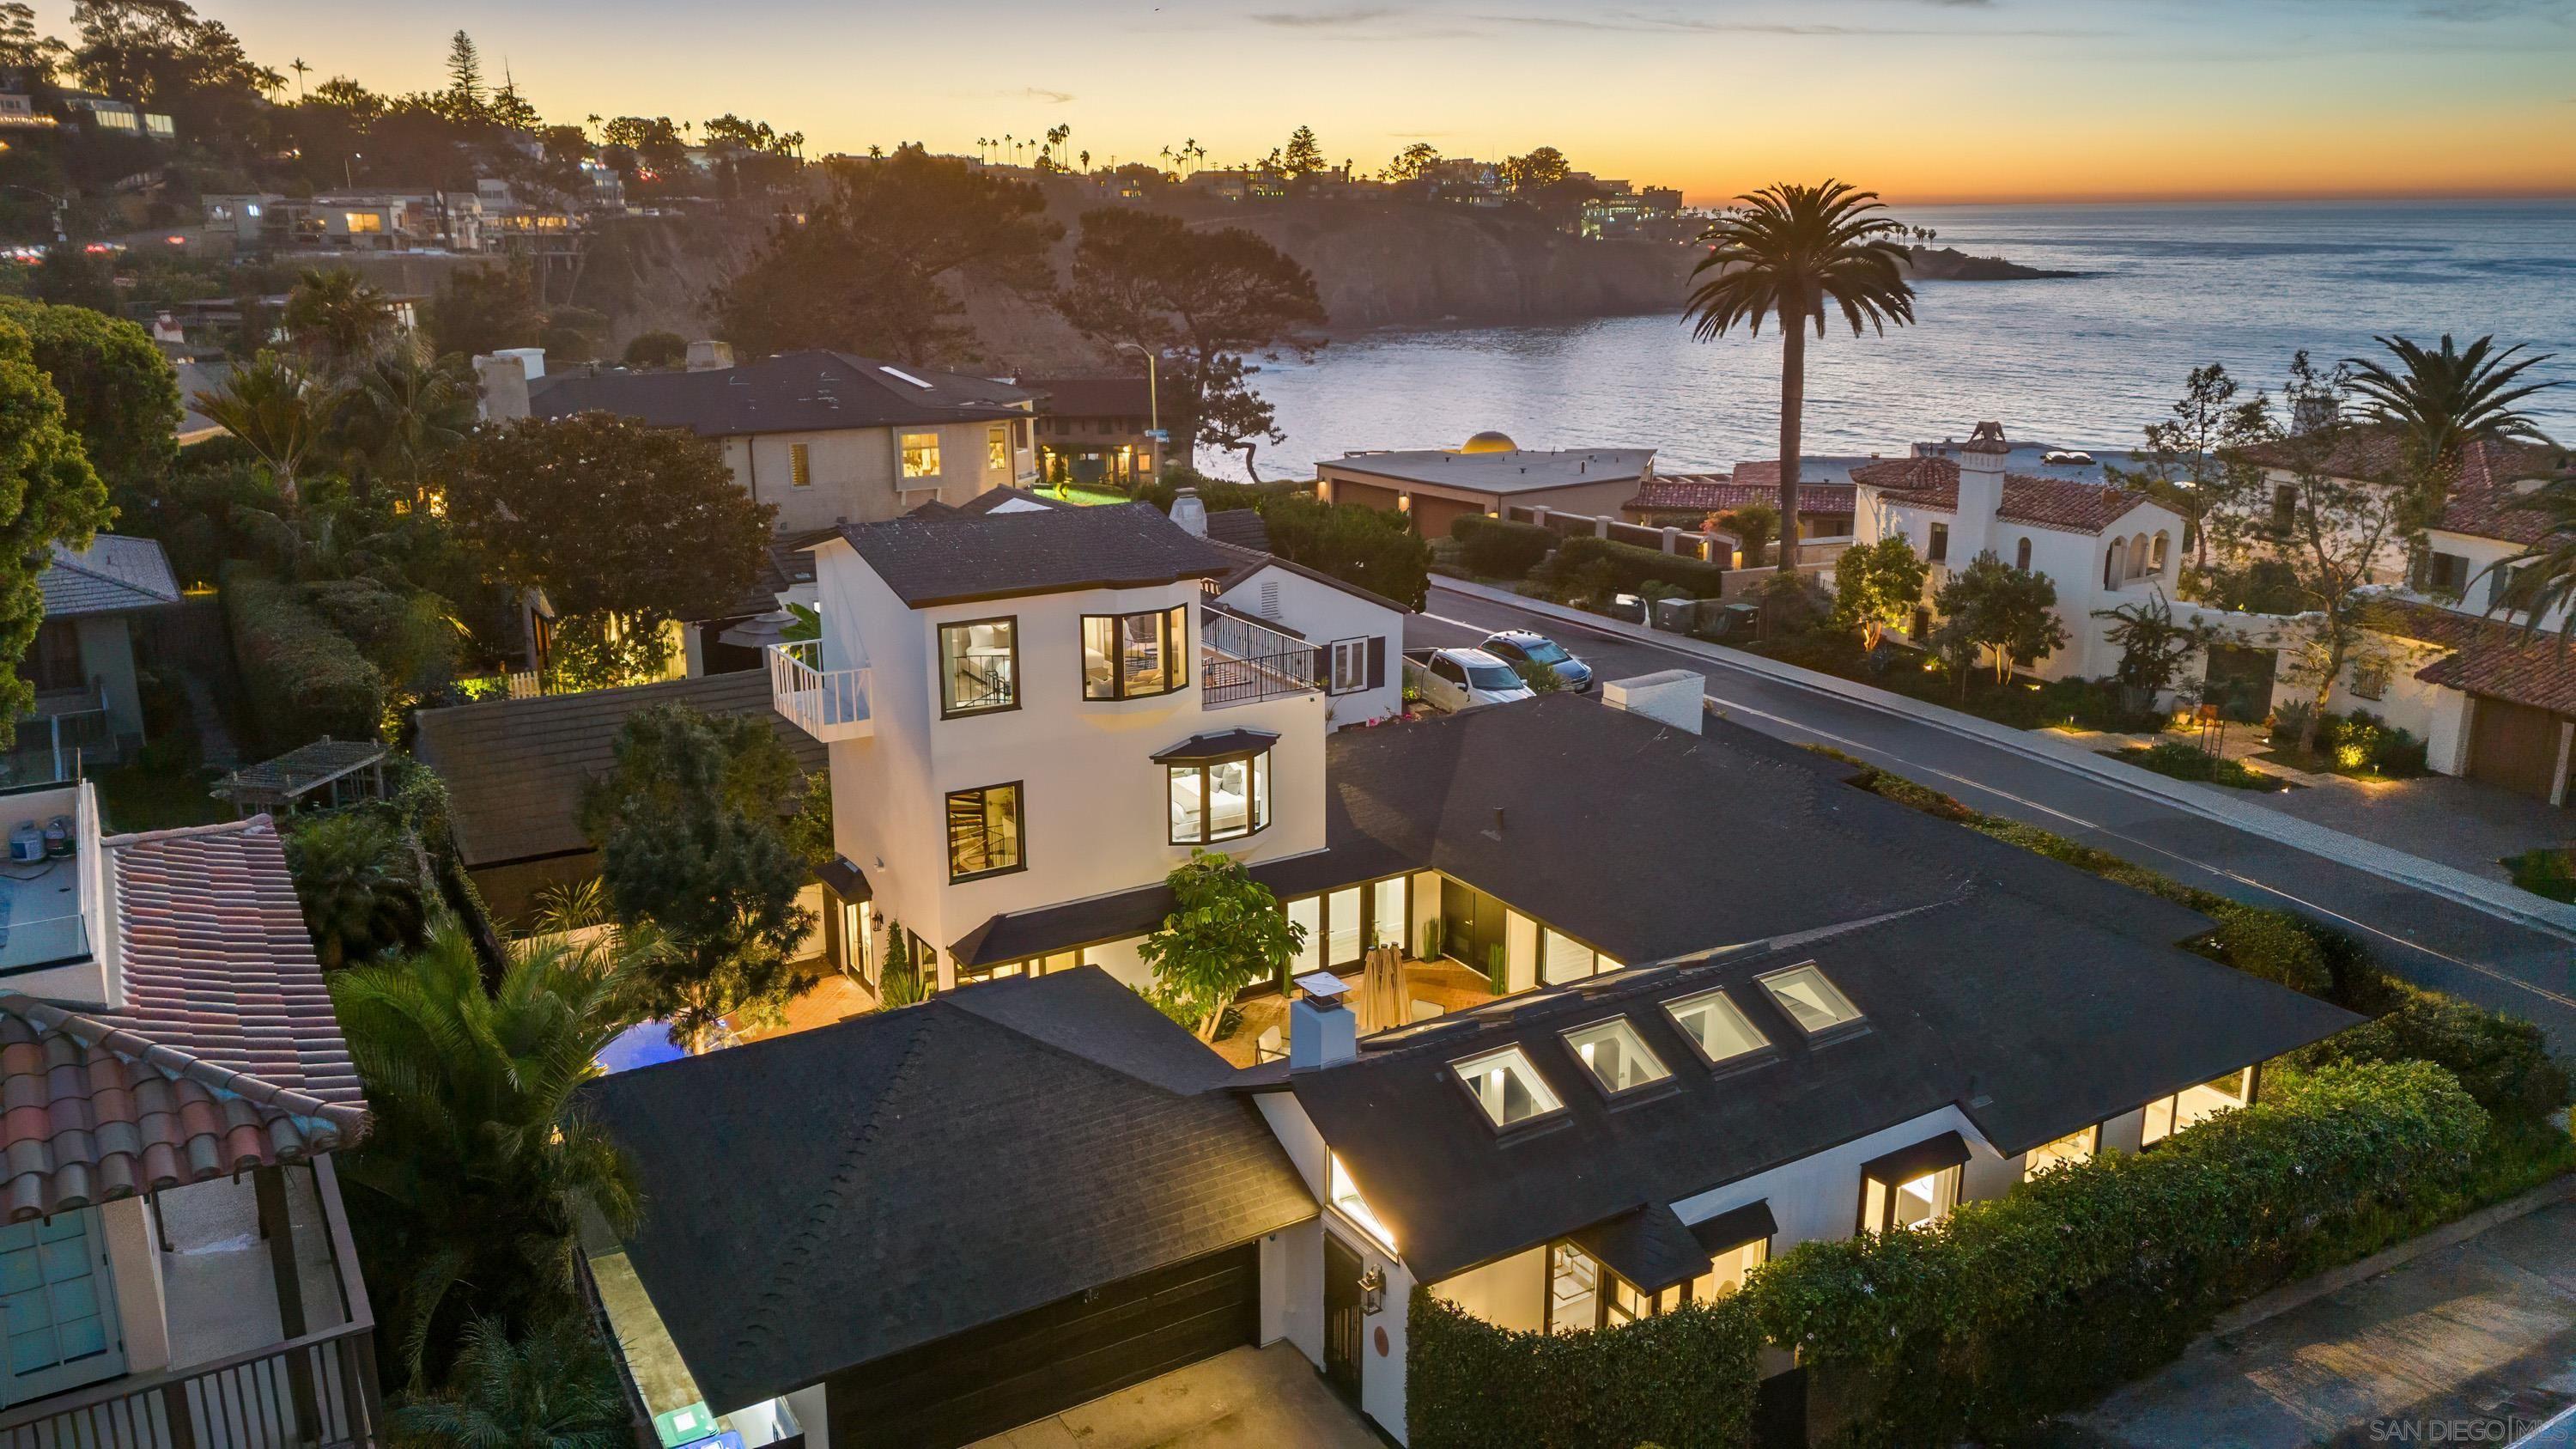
1926	100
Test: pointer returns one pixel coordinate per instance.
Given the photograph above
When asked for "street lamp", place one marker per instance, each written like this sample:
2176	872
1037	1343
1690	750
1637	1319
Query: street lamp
1153	399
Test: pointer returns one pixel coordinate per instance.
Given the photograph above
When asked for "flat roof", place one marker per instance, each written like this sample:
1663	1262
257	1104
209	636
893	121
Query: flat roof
1520	471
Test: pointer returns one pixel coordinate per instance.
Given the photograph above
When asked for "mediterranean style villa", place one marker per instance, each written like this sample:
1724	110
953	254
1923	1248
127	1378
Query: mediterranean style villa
1599	1005
175	1268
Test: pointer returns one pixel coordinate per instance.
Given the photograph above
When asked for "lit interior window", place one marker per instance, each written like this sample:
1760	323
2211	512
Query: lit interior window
2074	1147
1614	1054
1727	1270
1715	1025
1346	1198
2170	1115
1810	999
921	455
1505	1085
1925	1200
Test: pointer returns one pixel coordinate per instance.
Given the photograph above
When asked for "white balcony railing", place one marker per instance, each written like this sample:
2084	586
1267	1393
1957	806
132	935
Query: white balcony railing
829	704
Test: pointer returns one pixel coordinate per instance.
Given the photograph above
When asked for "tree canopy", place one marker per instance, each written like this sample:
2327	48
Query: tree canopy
1225	932
2193	463
1877	586
119	393
874	264
49	494
2009	613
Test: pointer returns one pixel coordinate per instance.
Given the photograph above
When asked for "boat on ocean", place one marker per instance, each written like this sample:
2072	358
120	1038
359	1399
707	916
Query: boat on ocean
2067	457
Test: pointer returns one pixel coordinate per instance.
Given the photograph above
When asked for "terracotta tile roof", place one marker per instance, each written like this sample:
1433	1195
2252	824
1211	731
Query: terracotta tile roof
90	1112
2502	665
1716	493
2063	504
217	963
2484	492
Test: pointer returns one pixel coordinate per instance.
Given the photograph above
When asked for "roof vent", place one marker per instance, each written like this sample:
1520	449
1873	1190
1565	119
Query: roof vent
899	375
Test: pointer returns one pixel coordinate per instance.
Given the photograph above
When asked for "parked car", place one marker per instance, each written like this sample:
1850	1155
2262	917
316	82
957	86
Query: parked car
1456	679
1514	646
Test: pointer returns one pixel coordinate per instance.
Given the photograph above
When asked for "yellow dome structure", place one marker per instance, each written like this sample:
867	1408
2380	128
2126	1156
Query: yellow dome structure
1490	441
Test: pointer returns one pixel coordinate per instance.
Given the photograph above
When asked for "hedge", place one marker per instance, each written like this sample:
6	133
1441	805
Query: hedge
2011	1310
1625	566
1682	1380
2501	1062
304	679
1498	548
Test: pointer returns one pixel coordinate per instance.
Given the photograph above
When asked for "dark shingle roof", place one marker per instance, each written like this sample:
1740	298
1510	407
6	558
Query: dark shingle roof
2073	1025
112	575
948	560
515	767
793	392
894	1179
1091	397
1248	561
1241	527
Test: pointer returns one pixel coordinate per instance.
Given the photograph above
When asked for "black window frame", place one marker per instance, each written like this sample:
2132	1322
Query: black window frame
947	710
1257	763
1176	654
1936	544
948	827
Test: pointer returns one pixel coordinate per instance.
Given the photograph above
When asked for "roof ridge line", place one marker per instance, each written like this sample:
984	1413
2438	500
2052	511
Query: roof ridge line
790	1261
169	1060
247	826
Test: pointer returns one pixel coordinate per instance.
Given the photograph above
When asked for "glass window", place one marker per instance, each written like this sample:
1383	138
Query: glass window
1715	1025
1573	1289
800	465
1506	1086
921	455
1727	1269
1350	665
2078	1146
1546	651
1923	1201
2196	1104
997	448
1563	958
1133	656
1219	799
1386	913
1020	433
1492	676
1615	1055
984	831
1939	551
1810	999
1346	1197
979	666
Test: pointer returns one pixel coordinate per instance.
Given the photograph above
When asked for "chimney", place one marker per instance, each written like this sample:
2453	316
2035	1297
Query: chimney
504	380
1189	512
1981	493
1321	1031
710	356
1670	697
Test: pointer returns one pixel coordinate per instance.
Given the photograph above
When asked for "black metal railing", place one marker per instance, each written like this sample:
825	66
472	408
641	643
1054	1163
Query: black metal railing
1241	661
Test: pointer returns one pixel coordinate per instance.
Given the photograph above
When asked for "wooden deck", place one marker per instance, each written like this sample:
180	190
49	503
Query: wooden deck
1433	987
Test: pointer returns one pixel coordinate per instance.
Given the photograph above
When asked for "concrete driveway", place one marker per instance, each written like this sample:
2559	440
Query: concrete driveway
2456	1346
1267	1397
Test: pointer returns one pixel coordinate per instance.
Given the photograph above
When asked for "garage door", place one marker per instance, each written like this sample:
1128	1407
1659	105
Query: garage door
1433	516
1365	495
1026	1367
2514	745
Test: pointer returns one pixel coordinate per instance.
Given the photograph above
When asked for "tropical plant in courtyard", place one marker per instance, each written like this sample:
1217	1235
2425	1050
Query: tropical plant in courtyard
277	411
548	1388
1225	932
2154	646
2544	574
1790	251
360	886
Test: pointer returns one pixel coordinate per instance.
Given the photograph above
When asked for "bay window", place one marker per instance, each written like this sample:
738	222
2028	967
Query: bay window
1223	799
1135	656
979	667
984	835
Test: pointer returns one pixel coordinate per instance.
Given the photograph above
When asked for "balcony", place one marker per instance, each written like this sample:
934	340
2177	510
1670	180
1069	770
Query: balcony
1241	662
829	704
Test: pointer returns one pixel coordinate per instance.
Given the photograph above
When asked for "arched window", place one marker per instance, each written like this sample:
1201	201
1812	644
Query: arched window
2021	554
2159	552
2111	567
2138	556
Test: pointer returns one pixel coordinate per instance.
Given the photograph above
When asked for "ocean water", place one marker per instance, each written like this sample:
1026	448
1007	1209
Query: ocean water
2075	362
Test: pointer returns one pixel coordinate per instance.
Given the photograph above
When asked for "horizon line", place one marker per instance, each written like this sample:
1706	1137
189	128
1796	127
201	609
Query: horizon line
2243	197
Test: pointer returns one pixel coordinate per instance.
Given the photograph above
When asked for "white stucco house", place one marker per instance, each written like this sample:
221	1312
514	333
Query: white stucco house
2102	547
1522	1057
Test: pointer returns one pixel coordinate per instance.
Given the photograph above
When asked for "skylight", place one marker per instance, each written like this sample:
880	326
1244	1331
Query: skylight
1716	1026
1506	1086
900	375
1615	1055
1810	999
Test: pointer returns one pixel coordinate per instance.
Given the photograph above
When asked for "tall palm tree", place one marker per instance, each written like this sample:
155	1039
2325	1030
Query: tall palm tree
338	317
550	1388
2542	577
479	1156
2441	401
404	414
1788	252
277	410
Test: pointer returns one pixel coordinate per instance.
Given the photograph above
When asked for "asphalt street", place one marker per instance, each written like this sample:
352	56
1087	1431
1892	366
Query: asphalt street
2430	939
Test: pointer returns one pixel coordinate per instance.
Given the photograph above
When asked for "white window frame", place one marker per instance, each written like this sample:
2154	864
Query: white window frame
907	444
1349	661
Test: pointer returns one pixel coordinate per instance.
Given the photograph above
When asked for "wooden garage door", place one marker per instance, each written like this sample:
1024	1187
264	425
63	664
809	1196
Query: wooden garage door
1365	495
2513	745
1433	516
997	1377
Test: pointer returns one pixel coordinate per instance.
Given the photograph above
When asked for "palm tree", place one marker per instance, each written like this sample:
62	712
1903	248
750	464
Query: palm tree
404	414
1787	253
2541	580
2442	401
360	887
550	1389
277	411
480	1156
339	318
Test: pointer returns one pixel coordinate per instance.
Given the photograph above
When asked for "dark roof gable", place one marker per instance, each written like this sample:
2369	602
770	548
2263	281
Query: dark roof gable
793	392
954	558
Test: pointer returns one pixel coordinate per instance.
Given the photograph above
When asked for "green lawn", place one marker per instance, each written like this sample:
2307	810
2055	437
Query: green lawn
1087	497
2291	758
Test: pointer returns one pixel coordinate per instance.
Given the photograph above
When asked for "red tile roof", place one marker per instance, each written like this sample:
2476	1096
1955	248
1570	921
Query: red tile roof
2063	504
90	1113
2501	664
2481	489
216	960
1716	493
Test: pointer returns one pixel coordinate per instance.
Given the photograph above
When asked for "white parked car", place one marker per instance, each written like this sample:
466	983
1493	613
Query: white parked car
1456	679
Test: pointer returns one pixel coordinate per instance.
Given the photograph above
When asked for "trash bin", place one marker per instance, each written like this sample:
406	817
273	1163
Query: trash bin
1678	616
1628	607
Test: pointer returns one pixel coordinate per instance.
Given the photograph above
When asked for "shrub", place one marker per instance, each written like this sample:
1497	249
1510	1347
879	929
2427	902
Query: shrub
2190	762
405	634
1376	550
2270	944
1625	566
2012	1310
2502	1063
304	679
1682	1379
1498	548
